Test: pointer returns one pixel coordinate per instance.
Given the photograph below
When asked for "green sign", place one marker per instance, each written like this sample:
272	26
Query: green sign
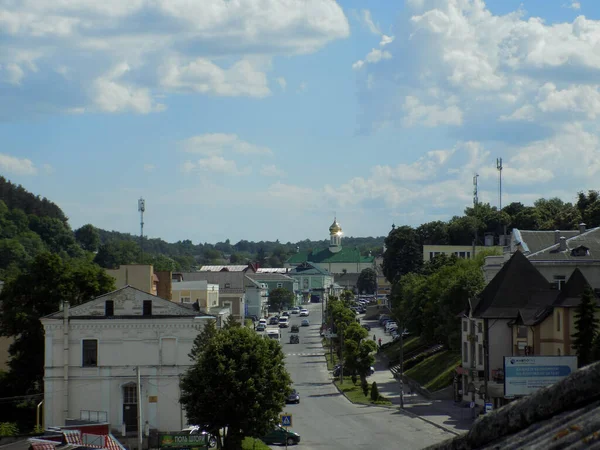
183	440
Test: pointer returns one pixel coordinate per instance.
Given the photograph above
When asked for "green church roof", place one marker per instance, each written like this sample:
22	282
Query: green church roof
324	256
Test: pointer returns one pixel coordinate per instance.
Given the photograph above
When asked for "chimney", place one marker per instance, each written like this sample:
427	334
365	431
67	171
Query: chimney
581	228
563	244
556	236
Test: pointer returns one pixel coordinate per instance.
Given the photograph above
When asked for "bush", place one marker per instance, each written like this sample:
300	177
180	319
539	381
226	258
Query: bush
8	429
365	387
354	379
374	392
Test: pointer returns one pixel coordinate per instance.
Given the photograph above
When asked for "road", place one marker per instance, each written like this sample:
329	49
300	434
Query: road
325	419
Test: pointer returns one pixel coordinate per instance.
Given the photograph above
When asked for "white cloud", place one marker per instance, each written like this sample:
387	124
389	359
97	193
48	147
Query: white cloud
212	144
575	99
375	55
217	164
271	170
17	166
417	113
575	5
282	83
113	96
212	47
366	16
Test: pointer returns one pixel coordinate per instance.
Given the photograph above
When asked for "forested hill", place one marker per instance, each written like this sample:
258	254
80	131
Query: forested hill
15	196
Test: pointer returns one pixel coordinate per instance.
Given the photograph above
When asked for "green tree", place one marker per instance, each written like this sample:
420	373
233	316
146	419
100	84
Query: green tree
403	253
34	293
280	298
367	281
88	237
433	233
586	324
239	383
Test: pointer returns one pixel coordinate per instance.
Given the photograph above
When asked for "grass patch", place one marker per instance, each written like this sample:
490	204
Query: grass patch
393	351
435	372
254	444
331	362
355	394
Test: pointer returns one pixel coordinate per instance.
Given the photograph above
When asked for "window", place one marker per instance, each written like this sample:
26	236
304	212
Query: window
557	321
185	300
462	255
465	326
279	285
227	285
465	352
480	361
109	308
305	283
147	308
479	327
559	281
521	332
130	394
89	354
472	327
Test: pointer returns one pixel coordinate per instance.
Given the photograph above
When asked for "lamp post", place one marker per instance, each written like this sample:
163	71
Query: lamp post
401	365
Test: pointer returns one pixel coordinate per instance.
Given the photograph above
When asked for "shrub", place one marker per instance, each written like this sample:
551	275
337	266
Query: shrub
365	387
374	392
8	429
354	379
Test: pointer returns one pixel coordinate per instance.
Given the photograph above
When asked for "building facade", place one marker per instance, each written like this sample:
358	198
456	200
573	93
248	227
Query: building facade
312	281
201	292
461	251
335	258
93	353
142	277
257	298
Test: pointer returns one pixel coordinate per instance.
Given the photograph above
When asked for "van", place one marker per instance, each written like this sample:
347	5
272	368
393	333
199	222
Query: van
274	333
284	322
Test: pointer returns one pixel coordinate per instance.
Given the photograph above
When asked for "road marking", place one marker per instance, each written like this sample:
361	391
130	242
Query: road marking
305	354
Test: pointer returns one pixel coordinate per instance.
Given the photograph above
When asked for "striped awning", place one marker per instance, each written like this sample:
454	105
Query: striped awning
73	437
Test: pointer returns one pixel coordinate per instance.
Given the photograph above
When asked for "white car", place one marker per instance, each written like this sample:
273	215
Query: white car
304	313
390	325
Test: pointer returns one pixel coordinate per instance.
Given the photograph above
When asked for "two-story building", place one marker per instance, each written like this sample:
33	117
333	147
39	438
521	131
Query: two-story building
274	280
142	277
119	354
313	281
201	292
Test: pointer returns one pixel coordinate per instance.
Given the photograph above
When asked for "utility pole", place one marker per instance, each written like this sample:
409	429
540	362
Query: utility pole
499	168
475	203
139	402
401	365
141	209
342	357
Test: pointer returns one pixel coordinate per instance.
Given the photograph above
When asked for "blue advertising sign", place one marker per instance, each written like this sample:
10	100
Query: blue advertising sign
523	375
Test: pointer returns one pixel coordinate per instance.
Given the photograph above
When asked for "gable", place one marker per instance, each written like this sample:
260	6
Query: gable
128	302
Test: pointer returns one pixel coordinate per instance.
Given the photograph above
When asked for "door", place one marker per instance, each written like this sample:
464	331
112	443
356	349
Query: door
130	407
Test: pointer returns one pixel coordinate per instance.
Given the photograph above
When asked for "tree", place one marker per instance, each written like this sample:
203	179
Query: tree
403	253
261	257
433	233
238	382
586	324
374	392
280	298
367	281
34	293
88	237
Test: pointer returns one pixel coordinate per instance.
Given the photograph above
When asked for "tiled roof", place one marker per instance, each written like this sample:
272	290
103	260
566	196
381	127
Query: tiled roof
322	256
542	245
518	285
564	415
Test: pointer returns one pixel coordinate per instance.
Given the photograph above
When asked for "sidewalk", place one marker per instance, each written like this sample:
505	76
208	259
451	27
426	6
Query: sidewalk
445	414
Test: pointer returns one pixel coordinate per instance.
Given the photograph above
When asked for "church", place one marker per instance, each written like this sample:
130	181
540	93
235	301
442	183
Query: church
335	258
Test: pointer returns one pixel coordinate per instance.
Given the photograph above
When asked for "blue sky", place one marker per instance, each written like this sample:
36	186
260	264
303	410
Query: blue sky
261	120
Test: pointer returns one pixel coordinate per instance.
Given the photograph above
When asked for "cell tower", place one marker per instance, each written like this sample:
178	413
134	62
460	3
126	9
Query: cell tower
475	203
141	209
499	167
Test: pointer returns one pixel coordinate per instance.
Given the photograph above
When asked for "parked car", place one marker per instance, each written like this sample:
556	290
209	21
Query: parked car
305	323
195	429
261	327
294	397
304	312
280	435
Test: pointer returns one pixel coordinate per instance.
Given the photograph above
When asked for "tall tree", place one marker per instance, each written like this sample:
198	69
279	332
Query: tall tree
280	298
88	237
403	253
586	324
238	382
367	281
38	291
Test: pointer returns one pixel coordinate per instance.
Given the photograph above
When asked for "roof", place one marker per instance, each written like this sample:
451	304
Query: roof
128	305
234	279
236	268
309	269
516	286
322	256
542	246
191	285
346	279
279	277
564	415
570	294
272	270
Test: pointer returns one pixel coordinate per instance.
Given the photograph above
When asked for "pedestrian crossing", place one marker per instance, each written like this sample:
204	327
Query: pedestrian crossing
304	354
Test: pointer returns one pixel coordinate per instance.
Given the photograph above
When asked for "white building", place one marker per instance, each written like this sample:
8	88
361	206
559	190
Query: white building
93	352
257	295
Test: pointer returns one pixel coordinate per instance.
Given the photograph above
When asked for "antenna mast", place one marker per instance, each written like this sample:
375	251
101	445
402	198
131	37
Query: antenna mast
499	167
141	209
475	203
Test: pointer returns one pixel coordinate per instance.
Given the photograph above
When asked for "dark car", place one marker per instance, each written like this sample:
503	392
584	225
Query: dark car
294	397
274	321
367	327
280	435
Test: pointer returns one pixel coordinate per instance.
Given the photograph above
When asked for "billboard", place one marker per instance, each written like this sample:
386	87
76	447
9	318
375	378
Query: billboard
523	375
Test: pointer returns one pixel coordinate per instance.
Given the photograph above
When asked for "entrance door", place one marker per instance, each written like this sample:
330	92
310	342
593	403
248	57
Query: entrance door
130	407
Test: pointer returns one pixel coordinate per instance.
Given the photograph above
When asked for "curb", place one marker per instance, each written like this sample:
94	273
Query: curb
361	404
442	427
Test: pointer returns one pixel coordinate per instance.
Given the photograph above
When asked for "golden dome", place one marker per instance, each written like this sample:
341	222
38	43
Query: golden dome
335	227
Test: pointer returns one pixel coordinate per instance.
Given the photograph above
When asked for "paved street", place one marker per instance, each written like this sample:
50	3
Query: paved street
326	420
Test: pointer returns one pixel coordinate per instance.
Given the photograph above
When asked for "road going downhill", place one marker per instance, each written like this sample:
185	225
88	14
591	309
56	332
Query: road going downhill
325	419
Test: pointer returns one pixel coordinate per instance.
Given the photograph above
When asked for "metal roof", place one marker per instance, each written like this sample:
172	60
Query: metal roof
235	268
272	270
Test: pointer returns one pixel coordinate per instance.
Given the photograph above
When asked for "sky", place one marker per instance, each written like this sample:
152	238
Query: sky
264	119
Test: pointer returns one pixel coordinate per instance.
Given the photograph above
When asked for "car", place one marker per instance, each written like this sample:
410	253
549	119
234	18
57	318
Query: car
262	322
261	327
294	397
304	313
285	314
195	429
280	435
284	322
295	329
295	310
274	321
305	323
